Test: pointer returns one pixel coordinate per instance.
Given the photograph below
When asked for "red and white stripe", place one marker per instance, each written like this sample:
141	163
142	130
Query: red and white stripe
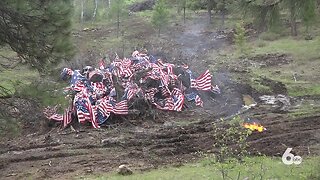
56	117
67	116
149	94
203	82
121	107
198	101
92	112
165	91
178	104
102	64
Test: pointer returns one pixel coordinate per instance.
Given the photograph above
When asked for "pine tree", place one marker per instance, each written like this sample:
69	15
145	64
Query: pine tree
118	11
265	13
211	4
183	5
222	7
240	38
308	13
38	30
294	7
160	15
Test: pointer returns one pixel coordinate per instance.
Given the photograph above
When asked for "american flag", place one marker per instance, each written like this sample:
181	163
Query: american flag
168	104
165	91
170	68
215	89
149	94
102	117
123	68
178	99
203	82
130	91
107	106
67	117
65	73
92	112
56	117
82	110
191	96
79	86
99	88
121	107
126	63
102	64
198	101
85	110
135	53
76	76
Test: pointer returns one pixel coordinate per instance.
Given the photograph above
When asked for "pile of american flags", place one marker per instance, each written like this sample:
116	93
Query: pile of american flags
97	93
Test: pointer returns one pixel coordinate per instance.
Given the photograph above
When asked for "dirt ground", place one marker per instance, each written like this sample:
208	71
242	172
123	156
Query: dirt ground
171	139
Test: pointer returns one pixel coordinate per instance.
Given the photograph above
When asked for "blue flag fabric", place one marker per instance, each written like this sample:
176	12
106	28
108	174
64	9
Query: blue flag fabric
76	77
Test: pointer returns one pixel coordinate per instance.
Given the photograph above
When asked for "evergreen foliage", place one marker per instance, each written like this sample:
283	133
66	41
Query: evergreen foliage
38	30
160	15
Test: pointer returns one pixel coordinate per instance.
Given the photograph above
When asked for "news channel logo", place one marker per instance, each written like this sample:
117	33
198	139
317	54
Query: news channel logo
288	158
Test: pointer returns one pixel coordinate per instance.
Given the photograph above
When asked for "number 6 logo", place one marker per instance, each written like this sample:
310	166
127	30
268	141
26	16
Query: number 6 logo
288	158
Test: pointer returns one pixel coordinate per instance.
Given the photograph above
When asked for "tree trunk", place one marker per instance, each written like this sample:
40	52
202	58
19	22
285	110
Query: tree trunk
223	17
210	15
293	22
223	14
263	22
95	10
210	5
82	11
118	22
184	14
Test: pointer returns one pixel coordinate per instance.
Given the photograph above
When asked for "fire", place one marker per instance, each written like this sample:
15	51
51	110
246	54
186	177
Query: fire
254	126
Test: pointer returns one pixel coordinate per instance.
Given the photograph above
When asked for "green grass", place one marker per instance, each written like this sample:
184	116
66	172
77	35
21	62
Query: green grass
300	49
305	63
310	89
305	109
147	15
252	168
10	77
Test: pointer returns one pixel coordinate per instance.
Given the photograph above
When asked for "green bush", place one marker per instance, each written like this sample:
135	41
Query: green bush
45	91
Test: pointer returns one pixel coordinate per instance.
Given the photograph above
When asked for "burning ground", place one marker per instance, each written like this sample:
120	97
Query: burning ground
172	138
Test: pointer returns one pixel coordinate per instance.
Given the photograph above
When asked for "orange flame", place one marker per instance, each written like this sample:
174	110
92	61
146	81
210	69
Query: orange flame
254	126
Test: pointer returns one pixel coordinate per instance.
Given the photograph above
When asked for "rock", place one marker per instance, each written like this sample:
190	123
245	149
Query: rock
308	37
168	124
142	6
281	102
248	100
124	170
112	141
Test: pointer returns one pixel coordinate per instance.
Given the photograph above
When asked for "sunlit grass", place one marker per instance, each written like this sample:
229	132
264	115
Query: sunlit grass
252	168
300	49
